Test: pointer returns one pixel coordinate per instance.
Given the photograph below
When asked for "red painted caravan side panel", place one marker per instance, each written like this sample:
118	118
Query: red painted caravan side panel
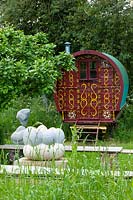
93	92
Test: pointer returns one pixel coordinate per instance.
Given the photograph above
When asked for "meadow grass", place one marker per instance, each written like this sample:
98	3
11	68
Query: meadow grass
72	184
79	180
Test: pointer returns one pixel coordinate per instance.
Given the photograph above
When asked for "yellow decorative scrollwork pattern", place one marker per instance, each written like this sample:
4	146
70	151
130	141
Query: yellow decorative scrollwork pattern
106	90
71	99
106	77
83	102
94	99
71	79
116	96
106	98
61	99
60	83
116	79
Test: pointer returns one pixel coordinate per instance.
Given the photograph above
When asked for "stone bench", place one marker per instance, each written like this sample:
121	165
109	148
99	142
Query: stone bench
108	154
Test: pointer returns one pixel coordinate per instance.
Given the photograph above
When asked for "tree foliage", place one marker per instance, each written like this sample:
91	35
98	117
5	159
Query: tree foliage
104	25
111	23
49	16
28	64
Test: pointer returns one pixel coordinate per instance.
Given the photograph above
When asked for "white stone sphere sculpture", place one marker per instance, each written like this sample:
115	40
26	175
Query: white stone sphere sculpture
17	135
23	115
48	136
44	152
59	150
40	143
59	136
30	136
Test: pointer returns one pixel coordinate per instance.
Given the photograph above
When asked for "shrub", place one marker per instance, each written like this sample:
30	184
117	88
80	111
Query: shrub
28	64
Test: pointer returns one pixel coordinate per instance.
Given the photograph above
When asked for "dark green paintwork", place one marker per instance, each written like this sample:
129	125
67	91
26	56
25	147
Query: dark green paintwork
124	75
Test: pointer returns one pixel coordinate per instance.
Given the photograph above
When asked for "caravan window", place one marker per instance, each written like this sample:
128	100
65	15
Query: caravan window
88	70
93	70
83	71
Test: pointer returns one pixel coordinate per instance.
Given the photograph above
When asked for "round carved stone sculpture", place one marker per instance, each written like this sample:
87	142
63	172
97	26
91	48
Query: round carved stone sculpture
23	115
17	136
59	137
53	135
44	152
34	136
40	143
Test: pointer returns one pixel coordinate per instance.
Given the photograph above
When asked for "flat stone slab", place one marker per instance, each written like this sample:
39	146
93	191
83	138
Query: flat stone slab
101	149
28	170
69	148
62	163
127	151
43	171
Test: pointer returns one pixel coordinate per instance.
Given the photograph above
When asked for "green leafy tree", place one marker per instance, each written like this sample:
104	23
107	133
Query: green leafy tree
49	16
104	25
110	29
28	64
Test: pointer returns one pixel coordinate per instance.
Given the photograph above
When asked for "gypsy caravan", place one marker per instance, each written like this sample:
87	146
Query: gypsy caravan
94	95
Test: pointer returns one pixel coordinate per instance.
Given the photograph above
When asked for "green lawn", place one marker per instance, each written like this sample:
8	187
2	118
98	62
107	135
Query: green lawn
68	187
73	184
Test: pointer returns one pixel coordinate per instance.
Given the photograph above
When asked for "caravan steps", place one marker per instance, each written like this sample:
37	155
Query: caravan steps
89	130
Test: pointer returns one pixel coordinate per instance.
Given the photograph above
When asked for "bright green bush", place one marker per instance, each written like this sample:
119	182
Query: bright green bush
28	64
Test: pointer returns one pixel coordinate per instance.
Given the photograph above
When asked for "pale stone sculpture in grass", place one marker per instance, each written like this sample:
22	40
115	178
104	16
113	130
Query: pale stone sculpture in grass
17	135
40	143
23	115
43	144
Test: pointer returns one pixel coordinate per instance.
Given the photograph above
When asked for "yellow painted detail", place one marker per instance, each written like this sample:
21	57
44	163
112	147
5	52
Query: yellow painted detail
113	115
116	96
61	99
83	102
116	79
106	98
62	115
71	99
94	99
106	77
71	79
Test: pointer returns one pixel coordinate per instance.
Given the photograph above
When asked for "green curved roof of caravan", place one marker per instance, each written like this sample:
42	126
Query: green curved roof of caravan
124	77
